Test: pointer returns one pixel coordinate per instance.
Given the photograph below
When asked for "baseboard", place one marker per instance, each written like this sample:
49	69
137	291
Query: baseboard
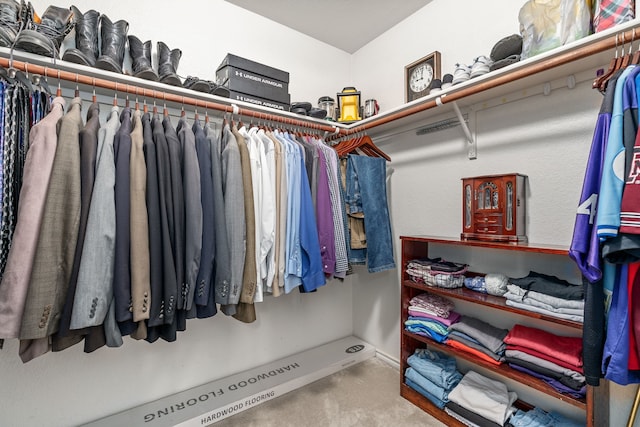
209	403
389	360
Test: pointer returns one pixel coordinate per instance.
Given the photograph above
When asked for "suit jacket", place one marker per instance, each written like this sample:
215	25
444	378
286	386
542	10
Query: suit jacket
139	225
35	181
169	280
121	267
208	238
88	153
94	290
56	247
222	259
228	295
246	309
154	222
193	212
177	193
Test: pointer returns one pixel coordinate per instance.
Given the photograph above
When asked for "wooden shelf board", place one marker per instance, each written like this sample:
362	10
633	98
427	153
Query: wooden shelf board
520	247
503	370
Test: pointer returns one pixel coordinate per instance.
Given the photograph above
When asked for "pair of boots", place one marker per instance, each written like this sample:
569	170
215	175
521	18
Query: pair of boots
114	38
21	27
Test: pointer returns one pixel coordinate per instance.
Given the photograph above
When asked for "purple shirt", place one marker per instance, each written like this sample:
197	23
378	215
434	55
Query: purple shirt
325	218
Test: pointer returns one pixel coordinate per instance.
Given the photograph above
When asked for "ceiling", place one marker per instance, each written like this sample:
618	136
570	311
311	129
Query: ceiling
322	20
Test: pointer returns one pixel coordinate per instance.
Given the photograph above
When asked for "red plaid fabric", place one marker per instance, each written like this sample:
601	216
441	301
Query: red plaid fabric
613	12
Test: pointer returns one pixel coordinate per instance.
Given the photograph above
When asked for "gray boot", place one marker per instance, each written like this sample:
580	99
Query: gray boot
168	64
114	39
86	50
46	37
140	54
9	22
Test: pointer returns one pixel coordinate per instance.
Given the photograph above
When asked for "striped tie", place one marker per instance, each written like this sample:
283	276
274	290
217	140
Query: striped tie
613	12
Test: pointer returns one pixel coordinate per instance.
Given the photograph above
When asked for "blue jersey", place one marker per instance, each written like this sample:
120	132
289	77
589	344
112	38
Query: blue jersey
612	183
585	245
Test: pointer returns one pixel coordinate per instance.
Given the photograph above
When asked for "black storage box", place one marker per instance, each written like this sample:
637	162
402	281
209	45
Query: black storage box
239	80
254	67
258	101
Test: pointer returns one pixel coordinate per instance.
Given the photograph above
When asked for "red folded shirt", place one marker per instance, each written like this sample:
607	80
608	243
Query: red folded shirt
459	346
547	345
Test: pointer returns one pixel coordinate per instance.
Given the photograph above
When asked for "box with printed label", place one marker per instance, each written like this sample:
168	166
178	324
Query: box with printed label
239	80
256	100
254	67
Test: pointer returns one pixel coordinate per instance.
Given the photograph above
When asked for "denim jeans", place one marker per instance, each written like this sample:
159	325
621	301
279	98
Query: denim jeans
367	193
433	389
436	367
439	403
539	418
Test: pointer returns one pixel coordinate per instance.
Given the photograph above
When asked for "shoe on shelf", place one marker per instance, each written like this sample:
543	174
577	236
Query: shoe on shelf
44	36
194	83
85	51
9	22
436	86
447	81
461	74
480	66
219	90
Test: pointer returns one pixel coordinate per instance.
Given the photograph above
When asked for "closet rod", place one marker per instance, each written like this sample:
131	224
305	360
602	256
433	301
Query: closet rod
526	71
132	89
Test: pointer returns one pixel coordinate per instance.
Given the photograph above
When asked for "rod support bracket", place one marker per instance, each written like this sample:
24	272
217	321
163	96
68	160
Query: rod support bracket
472	151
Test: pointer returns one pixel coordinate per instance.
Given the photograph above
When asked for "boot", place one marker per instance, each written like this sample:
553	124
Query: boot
168	64
140	54
114	38
86	50
44	38
9	22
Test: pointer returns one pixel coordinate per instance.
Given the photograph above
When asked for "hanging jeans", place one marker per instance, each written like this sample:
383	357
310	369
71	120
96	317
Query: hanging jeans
367	193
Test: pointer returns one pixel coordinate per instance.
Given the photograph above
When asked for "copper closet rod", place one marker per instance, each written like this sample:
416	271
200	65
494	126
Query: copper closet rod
78	78
560	59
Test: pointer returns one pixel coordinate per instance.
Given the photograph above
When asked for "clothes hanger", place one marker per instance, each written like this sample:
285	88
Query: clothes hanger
126	97
58	91
183	114
613	65
604	80
115	96
137	108
94	99
165	112
145	109
76	93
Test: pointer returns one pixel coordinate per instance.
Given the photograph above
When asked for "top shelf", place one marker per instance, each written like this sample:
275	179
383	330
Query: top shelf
521	247
587	54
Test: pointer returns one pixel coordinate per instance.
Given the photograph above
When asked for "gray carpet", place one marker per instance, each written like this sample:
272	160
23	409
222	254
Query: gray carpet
366	394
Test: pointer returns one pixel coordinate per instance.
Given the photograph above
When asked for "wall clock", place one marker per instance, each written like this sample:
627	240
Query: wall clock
419	74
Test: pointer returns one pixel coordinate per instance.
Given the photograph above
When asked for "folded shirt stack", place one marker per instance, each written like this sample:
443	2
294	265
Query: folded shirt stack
437	272
555	359
547	295
479	338
432	374
430	315
486	402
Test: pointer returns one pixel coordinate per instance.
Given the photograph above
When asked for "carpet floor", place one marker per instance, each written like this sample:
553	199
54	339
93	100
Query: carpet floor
366	394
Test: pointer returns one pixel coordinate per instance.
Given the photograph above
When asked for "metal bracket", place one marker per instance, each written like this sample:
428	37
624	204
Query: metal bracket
473	149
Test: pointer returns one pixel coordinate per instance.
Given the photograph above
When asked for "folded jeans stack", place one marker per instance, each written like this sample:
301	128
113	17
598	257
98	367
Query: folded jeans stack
433	375
539	418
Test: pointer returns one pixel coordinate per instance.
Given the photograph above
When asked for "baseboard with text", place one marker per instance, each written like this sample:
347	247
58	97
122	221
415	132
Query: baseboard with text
206	404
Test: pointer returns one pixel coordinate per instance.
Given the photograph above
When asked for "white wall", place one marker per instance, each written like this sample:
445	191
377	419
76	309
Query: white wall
69	388
546	138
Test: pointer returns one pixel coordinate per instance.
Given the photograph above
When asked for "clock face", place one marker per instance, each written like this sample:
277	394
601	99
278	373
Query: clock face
421	77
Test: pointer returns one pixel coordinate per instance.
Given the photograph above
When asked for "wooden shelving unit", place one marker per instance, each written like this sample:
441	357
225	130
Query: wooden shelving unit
418	247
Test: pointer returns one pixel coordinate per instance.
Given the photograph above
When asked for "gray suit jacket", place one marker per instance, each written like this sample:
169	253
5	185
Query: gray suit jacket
246	310
228	295
206	305
58	233
35	181
94	290
139	225
193	211
88	153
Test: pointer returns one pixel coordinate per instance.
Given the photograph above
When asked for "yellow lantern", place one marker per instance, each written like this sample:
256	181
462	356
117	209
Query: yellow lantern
349	105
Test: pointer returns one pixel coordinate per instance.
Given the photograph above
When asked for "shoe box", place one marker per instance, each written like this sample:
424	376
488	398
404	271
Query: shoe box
254	82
